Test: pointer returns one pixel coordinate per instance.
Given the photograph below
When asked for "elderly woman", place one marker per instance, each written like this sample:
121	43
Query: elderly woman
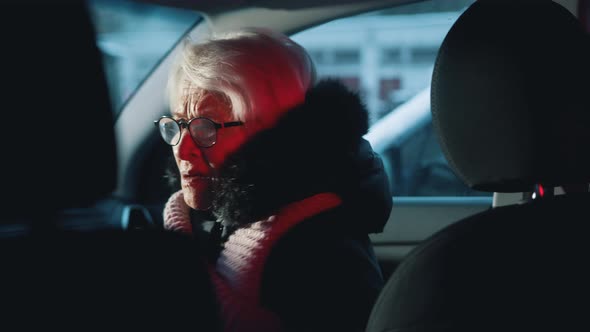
280	164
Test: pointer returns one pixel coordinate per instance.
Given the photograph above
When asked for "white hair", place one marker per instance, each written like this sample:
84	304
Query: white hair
261	73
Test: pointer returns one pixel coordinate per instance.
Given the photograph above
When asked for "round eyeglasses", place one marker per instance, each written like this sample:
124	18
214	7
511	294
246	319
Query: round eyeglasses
202	130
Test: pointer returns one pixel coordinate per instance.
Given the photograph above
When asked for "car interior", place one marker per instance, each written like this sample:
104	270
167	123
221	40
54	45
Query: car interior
481	132
141	165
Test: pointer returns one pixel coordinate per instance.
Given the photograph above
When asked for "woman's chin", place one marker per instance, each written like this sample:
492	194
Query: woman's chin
196	192
196	201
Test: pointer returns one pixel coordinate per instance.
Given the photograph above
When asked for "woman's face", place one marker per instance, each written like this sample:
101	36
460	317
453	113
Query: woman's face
199	166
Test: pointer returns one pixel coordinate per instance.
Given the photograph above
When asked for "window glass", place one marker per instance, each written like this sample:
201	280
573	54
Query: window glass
133	37
388	57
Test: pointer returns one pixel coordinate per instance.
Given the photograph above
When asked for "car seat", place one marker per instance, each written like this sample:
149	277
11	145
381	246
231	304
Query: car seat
510	106
58	154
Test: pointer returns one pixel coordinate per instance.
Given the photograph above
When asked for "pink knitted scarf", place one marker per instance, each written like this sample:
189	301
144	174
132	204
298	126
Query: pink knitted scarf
238	273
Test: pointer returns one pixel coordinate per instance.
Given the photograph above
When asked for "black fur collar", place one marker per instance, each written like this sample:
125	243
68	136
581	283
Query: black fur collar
313	148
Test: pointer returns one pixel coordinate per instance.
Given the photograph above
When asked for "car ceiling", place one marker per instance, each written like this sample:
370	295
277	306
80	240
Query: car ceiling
214	6
288	16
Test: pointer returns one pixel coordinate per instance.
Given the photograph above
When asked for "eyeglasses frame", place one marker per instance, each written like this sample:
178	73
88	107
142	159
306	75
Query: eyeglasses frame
183	124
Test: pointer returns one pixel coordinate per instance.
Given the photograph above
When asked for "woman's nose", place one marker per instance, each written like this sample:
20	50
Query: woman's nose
186	148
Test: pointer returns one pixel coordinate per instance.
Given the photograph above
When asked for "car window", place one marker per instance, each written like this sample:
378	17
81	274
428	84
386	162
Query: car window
388	57
133	37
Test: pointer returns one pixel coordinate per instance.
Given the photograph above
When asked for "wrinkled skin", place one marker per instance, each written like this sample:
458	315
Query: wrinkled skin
198	166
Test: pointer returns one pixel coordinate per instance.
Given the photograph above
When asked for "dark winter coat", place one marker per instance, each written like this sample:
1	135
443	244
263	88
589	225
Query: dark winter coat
323	275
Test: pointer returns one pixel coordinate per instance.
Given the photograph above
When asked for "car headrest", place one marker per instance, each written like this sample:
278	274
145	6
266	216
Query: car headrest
510	96
57	139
